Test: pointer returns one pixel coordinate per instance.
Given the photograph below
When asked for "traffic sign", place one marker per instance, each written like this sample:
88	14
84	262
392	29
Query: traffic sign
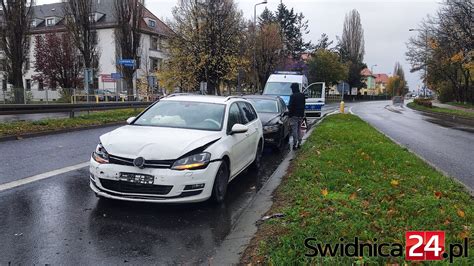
128	65
126	62
116	76
107	78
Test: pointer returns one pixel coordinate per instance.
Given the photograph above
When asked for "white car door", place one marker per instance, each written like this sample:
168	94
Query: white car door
251	121
237	142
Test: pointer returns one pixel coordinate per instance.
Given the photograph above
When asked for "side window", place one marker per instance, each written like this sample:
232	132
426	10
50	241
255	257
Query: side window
252	110
283	107
247	112
234	117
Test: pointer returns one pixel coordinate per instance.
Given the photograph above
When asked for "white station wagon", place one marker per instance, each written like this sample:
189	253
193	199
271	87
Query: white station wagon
183	148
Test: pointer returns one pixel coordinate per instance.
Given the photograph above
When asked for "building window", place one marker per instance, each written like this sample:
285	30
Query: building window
4	85
50	22
152	23
27	63
28	84
154	43
40	85
155	63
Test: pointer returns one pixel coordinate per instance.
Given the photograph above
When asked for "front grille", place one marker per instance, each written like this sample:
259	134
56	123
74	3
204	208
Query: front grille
128	187
148	163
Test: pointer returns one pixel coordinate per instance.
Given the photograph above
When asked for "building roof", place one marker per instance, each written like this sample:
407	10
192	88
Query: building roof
366	72
381	78
103	7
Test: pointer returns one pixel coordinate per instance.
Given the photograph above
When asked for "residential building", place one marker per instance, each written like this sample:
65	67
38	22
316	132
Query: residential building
369	79
381	81
50	18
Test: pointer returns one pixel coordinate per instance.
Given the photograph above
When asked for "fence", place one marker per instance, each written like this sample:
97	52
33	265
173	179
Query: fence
15	109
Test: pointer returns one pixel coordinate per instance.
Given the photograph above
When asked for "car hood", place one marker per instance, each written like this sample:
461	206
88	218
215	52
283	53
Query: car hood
155	143
267	117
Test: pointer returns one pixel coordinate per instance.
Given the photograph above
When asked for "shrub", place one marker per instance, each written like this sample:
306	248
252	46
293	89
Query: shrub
424	102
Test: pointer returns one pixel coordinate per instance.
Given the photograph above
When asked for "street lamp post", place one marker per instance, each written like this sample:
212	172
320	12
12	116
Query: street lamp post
255	40
426	58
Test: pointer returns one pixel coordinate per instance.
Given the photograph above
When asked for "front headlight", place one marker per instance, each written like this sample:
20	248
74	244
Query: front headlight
100	154
270	129
197	161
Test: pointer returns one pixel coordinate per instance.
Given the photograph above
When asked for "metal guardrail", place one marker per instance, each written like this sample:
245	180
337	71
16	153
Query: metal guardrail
15	109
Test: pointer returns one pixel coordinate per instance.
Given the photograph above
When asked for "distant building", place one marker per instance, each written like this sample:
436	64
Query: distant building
369	79
49	18
381	81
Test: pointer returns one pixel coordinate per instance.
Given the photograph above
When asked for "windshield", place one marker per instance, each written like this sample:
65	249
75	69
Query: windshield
278	88
182	114
265	105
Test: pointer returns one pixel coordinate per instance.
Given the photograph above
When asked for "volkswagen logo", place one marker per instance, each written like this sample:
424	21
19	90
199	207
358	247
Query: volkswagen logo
139	162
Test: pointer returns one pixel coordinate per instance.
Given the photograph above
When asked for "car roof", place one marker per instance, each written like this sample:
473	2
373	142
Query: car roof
267	97
202	98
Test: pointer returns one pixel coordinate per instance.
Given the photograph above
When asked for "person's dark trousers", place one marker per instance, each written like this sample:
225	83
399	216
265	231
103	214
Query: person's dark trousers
295	123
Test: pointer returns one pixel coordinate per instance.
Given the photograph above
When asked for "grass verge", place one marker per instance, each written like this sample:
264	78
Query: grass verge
463	105
350	181
91	119
438	110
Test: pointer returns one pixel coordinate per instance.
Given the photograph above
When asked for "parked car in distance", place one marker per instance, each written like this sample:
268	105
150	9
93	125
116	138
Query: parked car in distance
273	113
183	148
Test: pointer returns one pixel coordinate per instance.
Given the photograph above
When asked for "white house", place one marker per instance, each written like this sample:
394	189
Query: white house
50	18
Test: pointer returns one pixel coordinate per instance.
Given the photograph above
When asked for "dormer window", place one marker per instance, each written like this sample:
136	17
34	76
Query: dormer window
50	22
151	23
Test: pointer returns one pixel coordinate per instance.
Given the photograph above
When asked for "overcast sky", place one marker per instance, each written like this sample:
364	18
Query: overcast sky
385	23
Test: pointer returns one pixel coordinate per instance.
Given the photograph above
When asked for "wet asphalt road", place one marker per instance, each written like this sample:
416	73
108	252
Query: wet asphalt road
59	220
448	146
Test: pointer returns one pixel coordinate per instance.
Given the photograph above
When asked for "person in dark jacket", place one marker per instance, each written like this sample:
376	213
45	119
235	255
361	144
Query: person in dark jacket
296	112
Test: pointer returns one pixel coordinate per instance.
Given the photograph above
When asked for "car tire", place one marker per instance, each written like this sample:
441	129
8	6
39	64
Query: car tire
258	157
282	143
219	189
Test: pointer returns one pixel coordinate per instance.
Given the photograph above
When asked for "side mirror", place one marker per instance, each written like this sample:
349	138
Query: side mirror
130	120
239	128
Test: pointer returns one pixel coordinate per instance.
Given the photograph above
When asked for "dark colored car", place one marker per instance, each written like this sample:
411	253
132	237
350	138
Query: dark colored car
275	120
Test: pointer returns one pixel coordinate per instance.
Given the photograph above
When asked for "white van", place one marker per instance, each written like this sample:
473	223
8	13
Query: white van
279	84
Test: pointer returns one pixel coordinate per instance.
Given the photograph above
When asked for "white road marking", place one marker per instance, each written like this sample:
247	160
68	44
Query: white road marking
350	110
42	176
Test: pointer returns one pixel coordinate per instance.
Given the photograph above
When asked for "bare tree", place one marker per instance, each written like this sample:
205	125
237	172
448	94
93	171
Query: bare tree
444	49
79	24
129	15
351	47
14	40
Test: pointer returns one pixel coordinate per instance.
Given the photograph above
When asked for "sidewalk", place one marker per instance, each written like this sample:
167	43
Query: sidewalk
452	107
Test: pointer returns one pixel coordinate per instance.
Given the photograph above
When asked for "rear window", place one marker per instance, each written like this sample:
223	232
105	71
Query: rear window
278	88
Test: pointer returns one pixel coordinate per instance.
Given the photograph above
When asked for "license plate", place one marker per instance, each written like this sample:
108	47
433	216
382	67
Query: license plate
137	178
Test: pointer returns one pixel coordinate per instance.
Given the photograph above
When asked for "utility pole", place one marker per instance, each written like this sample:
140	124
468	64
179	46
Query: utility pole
255	41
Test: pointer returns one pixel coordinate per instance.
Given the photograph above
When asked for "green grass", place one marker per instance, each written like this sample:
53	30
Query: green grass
375	189
438	110
464	105
91	119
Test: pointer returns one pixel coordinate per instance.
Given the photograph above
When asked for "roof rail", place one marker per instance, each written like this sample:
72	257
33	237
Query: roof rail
232	97
178	94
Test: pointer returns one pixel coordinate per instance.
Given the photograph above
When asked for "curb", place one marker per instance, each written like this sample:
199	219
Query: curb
447	117
244	229
54	132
